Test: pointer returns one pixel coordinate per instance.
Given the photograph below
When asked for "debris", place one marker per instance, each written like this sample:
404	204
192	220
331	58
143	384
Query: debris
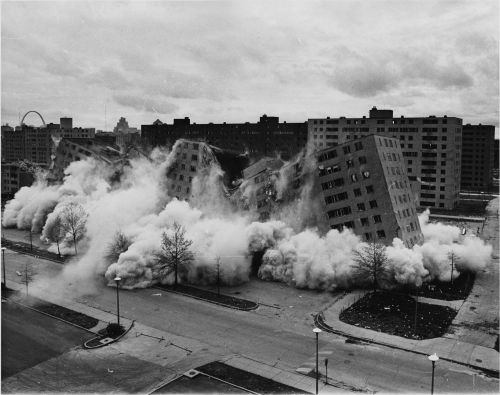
110	371
18	273
159	294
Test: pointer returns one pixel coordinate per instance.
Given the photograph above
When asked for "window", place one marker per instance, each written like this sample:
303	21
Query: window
358	146
192	168
373	204
369	189
377	219
368	236
361	207
354	177
194	157
347	149
195	146
339	212
365	222
336	198
349	163
362	160
357	192
181	177
332	184
366	174
380	234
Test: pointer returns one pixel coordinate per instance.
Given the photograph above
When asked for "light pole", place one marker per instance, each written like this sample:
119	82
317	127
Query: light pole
317	331
117	280
433	358
326	371
4	284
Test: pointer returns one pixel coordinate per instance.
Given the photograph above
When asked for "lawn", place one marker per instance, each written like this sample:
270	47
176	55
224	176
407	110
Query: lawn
395	314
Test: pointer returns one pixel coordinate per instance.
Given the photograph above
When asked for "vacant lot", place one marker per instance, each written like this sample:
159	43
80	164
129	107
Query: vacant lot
29	338
399	315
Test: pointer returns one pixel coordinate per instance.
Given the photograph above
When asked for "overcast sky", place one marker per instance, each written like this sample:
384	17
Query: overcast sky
233	61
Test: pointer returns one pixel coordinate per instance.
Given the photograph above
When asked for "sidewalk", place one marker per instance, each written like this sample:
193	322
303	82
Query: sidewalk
299	381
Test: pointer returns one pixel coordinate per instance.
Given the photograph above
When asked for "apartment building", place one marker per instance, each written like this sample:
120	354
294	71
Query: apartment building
15	176
27	143
195	158
268	137
431	148
477	157
361	184
74	149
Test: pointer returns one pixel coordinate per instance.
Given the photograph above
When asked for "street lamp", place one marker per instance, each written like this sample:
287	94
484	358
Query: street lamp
317	331
3	267
117	280
433	358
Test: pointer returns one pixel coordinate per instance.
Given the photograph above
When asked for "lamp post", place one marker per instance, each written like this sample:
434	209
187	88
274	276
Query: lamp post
317	331
4	283
117	280
433	358
326	371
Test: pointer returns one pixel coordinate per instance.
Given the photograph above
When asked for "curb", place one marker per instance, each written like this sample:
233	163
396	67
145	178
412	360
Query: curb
19	251
210	301
53	316
105	344
320	323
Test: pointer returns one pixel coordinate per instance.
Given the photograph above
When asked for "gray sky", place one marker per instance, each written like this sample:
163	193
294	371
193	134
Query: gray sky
233	61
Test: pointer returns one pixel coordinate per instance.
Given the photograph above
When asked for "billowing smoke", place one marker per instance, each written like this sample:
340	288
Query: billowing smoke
139	207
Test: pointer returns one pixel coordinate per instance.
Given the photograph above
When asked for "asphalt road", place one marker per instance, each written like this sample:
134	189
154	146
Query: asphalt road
274	340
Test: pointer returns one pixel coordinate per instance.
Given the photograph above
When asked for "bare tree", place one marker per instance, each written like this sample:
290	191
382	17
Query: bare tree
371	263
119	244
27	275
73	221
55	233
453	259
174	253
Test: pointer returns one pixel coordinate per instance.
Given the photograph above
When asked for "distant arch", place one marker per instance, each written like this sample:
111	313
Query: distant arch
36	112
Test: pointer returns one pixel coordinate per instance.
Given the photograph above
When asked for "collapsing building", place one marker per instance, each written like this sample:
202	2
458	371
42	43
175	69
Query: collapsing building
71	149
196	159
361	185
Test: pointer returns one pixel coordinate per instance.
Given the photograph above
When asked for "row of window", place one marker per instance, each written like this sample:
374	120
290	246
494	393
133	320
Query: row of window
336	168
340	181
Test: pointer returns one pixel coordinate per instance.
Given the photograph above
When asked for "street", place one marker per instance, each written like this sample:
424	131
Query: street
281	341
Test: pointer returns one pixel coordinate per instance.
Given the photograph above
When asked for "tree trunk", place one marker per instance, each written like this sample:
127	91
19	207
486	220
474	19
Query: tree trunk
74	241
175	273
374	282
58	251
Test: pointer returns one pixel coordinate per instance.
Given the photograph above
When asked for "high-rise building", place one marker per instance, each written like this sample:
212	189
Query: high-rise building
268	137
66	123
70	150
477	157
361	185
431	147
27	143
195	159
